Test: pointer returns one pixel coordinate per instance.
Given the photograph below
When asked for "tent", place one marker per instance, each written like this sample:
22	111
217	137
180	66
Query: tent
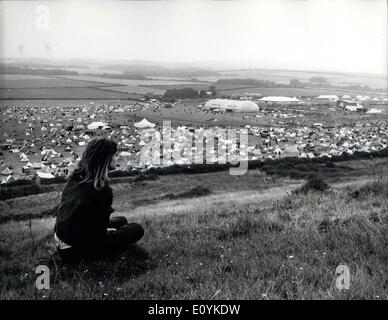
124	154
327	97
279	99
144	124
45	175
354	107
291	150
232	105
6	172
97	125
8	179
374	111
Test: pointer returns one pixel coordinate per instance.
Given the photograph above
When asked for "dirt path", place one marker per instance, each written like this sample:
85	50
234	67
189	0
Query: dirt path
217	202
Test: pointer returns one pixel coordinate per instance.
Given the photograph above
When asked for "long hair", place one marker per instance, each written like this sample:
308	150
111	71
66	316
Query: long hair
94	164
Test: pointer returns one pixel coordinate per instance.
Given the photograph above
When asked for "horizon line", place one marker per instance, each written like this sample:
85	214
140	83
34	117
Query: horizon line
115	60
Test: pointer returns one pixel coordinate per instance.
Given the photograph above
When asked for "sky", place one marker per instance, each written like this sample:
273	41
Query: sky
324	35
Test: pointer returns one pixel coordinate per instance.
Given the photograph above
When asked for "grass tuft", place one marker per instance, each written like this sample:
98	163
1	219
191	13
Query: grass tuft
314	182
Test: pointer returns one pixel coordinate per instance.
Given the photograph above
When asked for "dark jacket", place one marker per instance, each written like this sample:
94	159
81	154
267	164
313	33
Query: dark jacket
83	214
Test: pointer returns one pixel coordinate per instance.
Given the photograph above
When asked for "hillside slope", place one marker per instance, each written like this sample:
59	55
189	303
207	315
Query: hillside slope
268	244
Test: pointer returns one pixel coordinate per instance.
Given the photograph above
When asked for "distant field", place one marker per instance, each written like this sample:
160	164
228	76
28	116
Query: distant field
89	86
61	102
292	92
369	81
41	87
61	93
200	86
12	81
284	76
127	82
73	87
136	89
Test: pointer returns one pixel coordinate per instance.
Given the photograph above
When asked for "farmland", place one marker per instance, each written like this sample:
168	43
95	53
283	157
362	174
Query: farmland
78	87
98	87
15	81
226	89
294	92
62	93
284	76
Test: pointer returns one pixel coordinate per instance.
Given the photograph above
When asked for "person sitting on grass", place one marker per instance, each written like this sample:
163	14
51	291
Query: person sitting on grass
84	228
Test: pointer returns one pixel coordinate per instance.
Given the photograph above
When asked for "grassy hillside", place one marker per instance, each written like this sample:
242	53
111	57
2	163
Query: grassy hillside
253	243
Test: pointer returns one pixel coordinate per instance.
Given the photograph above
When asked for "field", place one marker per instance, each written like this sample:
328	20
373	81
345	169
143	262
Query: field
140	90
241	90
62	93
293	92
284	76
13	87
241	239
14	81
137	86
184	113
98	87
127	82
78	87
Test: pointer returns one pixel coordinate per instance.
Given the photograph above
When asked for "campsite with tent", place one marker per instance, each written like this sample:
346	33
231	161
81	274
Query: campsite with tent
47	141
290	140
251	159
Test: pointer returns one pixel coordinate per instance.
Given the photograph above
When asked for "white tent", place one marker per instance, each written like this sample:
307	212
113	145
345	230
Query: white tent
6	172
97	125
234	105
353	107
279	99
8	179
45	175
144	124
374	111
124	154
328	97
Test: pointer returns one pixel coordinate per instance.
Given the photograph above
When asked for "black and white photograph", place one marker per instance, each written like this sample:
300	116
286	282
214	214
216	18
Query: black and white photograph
214	151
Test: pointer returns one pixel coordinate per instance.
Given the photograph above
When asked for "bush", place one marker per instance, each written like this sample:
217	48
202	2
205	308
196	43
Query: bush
198	191
26	190
246	225
314	182
183	93
21	182
330	165
55	180
374	188
145	177
19	191
123	173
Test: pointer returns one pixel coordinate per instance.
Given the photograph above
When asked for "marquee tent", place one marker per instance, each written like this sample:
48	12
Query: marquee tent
233	105
144	124
328	97
374	111
279	99
97	125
